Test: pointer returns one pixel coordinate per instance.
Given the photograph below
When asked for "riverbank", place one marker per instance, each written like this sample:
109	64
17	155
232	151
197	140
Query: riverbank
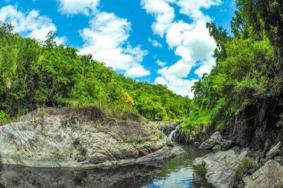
82	138
230	166
178	171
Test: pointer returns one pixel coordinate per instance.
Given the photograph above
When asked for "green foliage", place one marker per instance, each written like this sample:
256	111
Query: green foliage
35	75
3	118
249	65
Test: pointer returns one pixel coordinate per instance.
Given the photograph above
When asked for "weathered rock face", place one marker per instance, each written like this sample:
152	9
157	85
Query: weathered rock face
221	167
270	175
275	150
258	125
77	138
217	141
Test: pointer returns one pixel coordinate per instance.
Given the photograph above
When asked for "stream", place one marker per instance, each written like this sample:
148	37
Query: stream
176	173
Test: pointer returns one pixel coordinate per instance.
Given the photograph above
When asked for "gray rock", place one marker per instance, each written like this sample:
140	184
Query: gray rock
215	139
216	148
279	159
226	144
77	138
270	175
221	167
275	150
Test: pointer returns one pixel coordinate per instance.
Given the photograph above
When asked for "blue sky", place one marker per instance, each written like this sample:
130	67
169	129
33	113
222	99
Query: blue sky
159	41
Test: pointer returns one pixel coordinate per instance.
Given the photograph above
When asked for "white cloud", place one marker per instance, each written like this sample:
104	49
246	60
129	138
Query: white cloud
78	6
192	8
106	39
155	43
29	24
160	63
163	13
205	67
190	41
178	85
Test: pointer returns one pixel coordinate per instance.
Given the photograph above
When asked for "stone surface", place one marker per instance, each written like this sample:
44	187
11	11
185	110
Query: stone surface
216	148
226	144
275	150
270	175
221	167
215	139
78	138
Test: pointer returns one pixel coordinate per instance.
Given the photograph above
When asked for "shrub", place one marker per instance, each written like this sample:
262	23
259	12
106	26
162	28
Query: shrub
3	118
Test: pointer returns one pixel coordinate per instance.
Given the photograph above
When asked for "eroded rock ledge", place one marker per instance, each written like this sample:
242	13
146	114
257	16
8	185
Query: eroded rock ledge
81	138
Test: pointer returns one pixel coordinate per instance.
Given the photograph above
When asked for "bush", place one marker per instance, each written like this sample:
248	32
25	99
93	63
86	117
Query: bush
3	118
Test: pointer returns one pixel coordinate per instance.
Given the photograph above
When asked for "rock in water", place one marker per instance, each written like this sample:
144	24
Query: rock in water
268	176
77	138
221	167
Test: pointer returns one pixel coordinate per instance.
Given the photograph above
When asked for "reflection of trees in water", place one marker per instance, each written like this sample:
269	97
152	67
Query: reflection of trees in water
136	176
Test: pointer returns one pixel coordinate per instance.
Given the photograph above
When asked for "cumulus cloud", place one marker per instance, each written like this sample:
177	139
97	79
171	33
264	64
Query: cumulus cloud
82	6
192	8
106	39
163	13
155	43
178	85
190	41
205	67
30	24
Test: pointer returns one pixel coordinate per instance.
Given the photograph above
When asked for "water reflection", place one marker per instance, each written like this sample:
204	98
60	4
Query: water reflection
179	173
175	173
19	177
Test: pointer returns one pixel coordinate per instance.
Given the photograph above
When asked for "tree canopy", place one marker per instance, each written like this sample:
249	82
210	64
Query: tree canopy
42	74
249	64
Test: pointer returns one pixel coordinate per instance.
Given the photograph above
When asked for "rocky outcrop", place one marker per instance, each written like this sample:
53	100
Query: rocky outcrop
221	167
216	142
215	139
275	150
258	125
79	138
270	175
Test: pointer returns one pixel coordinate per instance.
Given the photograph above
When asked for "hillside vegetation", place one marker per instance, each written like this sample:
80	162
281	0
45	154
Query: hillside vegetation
245	87
35	74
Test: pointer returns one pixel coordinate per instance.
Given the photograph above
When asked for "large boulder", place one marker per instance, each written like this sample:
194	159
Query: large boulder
78	138
221	167
270	175
215	139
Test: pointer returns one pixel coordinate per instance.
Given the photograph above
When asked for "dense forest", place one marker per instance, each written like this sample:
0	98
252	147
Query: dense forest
248	76
42	74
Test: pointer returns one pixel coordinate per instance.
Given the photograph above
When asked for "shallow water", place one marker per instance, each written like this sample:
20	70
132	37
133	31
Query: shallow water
179	173
176	173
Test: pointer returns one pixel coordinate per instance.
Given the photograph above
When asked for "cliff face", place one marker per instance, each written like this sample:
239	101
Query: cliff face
77	138
259	125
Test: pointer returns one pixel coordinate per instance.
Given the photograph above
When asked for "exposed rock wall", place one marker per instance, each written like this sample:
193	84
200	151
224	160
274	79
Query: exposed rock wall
78	138
259	125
